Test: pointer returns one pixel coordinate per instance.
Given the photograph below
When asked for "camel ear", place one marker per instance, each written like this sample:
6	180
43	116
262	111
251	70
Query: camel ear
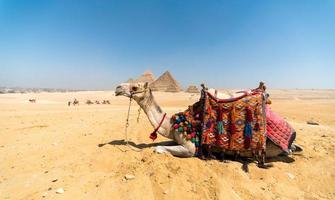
146	85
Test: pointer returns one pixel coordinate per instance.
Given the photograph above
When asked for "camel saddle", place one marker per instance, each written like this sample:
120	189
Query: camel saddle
240	123
235	124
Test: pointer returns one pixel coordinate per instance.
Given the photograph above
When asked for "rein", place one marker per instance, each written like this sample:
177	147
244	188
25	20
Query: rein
126	129
127	121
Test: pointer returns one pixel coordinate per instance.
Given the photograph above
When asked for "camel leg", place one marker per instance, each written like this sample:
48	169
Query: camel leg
295	148
179	151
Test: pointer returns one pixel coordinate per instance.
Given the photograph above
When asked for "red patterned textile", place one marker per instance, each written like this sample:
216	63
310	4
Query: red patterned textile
236	125
278	130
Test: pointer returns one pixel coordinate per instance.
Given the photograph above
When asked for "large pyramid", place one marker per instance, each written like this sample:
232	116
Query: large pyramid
165	83
192	89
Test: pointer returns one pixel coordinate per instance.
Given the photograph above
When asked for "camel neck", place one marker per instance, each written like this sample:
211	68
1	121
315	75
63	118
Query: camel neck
155	115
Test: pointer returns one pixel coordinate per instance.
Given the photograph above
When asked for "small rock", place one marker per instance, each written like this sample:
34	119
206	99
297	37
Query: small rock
165	192
44	194
46	172
291	176
129	177
311	122
49	188
263	188
323	136
54	180
60	191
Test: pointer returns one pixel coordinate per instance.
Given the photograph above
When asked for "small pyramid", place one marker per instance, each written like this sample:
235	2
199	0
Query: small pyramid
165	83
146	77
130	80
192	89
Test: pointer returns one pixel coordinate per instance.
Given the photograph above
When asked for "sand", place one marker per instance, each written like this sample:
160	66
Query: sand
47	146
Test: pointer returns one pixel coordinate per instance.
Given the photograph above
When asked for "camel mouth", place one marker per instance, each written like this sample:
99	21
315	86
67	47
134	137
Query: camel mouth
118	93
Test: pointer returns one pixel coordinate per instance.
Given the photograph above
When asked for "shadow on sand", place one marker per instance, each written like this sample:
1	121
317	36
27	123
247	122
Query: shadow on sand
283	158
138	146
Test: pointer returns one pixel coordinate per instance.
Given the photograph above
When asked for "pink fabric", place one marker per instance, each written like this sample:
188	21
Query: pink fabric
278	130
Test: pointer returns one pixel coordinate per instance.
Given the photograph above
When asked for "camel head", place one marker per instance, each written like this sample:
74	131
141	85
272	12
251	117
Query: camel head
136	91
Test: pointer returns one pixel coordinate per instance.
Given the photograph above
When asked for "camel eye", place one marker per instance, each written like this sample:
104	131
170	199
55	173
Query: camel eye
134	88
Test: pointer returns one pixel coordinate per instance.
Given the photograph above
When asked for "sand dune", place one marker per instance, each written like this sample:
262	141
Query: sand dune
48	145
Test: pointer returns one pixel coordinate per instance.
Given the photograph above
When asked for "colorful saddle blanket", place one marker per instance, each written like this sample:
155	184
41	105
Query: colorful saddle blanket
236	124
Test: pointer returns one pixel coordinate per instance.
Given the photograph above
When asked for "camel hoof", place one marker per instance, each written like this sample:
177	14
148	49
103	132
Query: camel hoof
202	157
245	167
296	149
265	165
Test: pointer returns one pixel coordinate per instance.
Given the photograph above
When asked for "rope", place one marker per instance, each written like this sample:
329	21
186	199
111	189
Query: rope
126	129
139	113
127	121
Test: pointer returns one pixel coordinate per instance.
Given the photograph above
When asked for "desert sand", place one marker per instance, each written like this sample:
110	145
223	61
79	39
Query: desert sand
49	145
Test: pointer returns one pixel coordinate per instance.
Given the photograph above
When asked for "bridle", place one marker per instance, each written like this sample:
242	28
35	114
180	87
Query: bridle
153	135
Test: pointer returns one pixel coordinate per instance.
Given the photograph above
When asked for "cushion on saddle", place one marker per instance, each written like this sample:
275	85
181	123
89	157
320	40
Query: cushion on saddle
225	94
278	130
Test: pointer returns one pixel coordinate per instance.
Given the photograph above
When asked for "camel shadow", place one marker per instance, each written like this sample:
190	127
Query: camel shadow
281	158
138	146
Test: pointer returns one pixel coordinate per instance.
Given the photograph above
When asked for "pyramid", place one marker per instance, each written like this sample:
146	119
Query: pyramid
130	80
192	89
165	83
146	77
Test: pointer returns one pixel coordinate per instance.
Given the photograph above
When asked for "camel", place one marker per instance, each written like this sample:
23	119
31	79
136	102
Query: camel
75	102
32	100
143	95
105	102
89	102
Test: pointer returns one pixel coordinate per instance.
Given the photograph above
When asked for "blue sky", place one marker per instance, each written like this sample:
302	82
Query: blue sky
234	44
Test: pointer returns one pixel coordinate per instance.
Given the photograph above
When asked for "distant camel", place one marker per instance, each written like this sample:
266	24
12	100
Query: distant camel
106	102
89	102
75	102
97	102
32	100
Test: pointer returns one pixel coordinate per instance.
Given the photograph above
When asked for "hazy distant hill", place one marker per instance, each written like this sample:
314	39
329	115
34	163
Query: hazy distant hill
5	90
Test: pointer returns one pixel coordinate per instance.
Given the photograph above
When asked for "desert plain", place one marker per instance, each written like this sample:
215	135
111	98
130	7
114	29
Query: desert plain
49	146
